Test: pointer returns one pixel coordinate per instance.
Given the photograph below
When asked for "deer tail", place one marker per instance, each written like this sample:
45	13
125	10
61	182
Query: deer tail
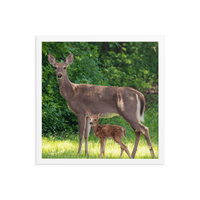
140	107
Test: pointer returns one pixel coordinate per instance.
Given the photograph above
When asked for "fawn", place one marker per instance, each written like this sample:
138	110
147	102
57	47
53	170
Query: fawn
105	131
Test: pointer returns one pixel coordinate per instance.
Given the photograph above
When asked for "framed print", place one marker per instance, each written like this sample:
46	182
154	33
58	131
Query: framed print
100	100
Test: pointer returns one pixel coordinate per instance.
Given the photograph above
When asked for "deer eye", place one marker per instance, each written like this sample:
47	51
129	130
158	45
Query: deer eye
64	67
95	120
55	67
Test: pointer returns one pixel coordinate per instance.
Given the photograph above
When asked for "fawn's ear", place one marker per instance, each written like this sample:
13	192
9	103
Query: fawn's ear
100	115
89	114
69	59
51	59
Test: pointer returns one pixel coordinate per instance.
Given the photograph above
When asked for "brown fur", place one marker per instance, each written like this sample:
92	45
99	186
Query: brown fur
105	131
108	100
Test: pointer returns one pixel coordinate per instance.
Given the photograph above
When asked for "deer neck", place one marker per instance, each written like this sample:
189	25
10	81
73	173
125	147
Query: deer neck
65	86
94	128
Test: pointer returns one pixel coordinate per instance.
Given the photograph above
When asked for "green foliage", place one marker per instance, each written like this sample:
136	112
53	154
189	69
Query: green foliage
131	64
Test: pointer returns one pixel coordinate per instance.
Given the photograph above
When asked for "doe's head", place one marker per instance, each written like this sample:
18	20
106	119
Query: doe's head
94	119
60	68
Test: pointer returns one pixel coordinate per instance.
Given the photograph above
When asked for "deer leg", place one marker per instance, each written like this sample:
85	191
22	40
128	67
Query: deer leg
87	131
122	150
137	134
126	150
129	118
81	123
123	146
138	128
104	148
145	131
147	137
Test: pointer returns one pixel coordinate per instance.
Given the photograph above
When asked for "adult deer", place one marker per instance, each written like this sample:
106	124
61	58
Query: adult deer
111	101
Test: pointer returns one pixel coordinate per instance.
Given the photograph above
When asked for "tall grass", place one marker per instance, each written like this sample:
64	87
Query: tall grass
60	147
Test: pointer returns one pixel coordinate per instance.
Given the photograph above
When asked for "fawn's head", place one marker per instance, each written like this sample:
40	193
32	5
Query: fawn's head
60	68
94	119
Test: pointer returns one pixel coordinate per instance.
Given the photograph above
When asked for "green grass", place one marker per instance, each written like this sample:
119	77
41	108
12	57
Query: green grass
60	147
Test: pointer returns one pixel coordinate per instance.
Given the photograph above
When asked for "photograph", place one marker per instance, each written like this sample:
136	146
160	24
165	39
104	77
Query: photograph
100	100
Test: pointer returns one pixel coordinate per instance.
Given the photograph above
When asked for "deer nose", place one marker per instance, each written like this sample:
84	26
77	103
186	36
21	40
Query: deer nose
59	75
91	123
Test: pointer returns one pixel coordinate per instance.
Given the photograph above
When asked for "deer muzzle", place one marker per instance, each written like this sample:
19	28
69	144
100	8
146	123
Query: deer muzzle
59	75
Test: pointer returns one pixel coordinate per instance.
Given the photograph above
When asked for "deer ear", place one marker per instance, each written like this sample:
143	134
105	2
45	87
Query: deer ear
89	114
100	115
51	59
69	59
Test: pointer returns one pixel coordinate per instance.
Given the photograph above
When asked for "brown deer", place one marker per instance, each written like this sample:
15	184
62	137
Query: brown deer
111	101
105	131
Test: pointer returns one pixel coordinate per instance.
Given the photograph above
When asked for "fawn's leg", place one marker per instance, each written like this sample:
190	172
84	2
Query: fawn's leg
104	147
122	150
123	146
